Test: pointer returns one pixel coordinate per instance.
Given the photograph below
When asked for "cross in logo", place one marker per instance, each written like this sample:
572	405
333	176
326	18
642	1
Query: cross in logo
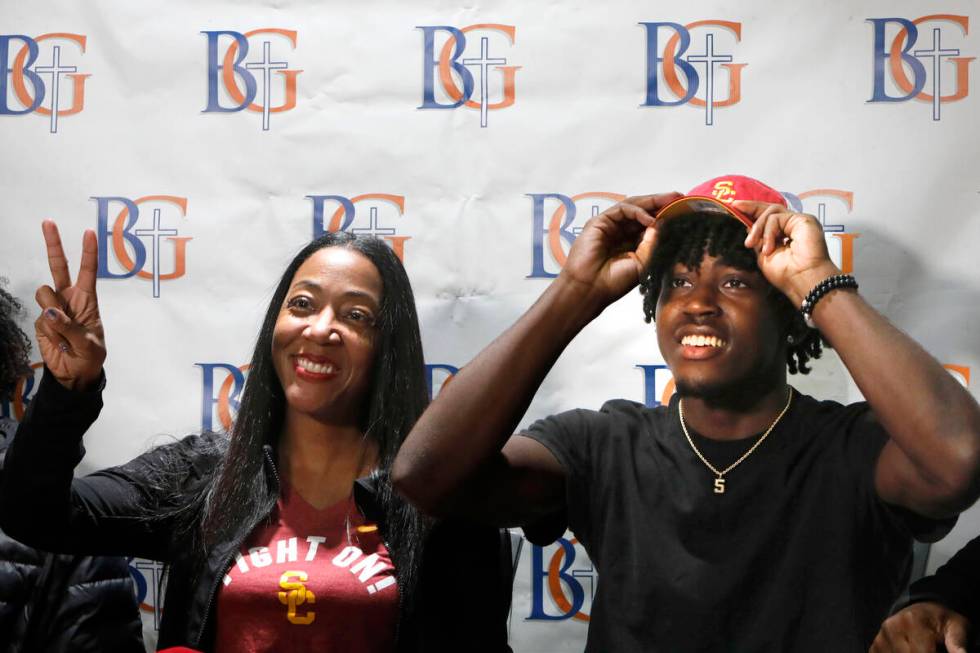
56	70
155	234
373	228
709	59
483	63
822	216
266	66
589	573
936	54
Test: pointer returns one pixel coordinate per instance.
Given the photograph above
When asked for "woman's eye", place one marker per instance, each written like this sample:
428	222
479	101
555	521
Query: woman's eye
357	315
300	303
678	282
736	283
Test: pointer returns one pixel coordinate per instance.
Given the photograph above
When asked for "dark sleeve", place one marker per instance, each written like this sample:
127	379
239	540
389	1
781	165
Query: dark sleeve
865	438
105	513
464	593
956	584
570	437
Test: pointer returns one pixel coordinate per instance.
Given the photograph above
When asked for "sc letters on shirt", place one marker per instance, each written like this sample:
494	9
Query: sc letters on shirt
352	558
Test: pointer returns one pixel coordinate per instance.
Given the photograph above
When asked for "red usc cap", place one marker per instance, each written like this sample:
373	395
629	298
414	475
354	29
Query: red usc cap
716	196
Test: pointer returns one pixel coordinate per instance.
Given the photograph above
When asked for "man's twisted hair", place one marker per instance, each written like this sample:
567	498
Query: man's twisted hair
15	346
687	239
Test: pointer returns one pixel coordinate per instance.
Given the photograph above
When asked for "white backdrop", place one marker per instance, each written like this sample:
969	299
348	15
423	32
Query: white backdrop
584	102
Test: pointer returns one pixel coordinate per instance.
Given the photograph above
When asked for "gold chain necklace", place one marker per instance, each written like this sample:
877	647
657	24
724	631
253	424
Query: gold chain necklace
720	481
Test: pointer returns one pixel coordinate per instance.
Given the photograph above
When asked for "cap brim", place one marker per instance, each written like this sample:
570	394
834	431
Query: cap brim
700	204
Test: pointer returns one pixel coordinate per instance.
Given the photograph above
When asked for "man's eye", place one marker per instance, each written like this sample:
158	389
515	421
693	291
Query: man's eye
736	283
678	282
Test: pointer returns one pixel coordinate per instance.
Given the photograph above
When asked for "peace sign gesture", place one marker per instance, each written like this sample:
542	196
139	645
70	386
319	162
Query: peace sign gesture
69	330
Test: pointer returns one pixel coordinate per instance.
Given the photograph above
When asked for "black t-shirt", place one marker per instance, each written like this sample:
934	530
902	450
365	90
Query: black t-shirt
798	554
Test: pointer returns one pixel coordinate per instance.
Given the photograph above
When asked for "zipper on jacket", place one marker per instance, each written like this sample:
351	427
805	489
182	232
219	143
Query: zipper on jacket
222	570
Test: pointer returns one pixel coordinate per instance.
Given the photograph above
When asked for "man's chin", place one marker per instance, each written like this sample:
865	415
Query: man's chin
702	388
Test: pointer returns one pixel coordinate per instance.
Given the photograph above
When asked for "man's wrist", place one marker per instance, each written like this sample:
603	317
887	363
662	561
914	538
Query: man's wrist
578	302
802	283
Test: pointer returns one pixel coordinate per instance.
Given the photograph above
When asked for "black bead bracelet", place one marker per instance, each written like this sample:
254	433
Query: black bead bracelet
830	283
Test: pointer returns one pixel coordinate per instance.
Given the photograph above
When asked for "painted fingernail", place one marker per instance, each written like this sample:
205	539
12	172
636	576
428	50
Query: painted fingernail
63	347
51	314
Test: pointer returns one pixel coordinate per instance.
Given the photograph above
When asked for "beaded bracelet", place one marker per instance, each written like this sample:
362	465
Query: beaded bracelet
821	289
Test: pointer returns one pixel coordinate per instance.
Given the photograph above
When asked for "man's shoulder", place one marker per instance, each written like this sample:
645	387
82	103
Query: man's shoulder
831	414
614	413
626	409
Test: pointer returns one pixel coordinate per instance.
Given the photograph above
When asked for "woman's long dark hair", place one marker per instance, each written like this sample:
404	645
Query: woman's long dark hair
241	491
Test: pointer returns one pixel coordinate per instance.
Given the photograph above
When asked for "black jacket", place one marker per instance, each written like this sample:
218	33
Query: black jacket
956	585
462	600
62	603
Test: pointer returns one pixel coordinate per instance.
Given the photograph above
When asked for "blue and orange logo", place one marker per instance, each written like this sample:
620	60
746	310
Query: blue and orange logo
554	234
219	407
457	73
147	576
235	86
906	60
125	242
677	77
24	390
438	376
35	79
827	204
362	214
563	582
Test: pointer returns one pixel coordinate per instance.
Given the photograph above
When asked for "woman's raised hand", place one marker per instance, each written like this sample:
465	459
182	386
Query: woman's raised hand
69	330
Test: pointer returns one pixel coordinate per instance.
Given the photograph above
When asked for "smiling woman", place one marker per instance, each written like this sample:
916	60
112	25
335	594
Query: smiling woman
286	529
324	340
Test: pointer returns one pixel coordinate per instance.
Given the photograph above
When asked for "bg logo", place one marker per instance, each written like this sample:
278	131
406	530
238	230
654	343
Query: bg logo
129	250
554	235
560	588
224	403
347	217
24	68
895	59
147	576
226	74
667	65
818	202
658	385
453	71
438	372
24	390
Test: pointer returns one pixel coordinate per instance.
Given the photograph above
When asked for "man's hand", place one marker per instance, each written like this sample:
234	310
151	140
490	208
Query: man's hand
923	628
69	331
614	248
791	249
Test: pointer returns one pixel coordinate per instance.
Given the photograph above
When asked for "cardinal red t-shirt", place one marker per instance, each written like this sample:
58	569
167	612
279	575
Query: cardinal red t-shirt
309	580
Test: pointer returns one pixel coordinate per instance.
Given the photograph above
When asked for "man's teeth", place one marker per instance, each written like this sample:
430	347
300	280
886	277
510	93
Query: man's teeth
702	341
316	368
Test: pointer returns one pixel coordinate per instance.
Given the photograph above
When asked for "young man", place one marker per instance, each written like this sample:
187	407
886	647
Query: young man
743	516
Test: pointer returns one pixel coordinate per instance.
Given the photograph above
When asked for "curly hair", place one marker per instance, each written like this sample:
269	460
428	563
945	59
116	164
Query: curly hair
687	239
15	346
